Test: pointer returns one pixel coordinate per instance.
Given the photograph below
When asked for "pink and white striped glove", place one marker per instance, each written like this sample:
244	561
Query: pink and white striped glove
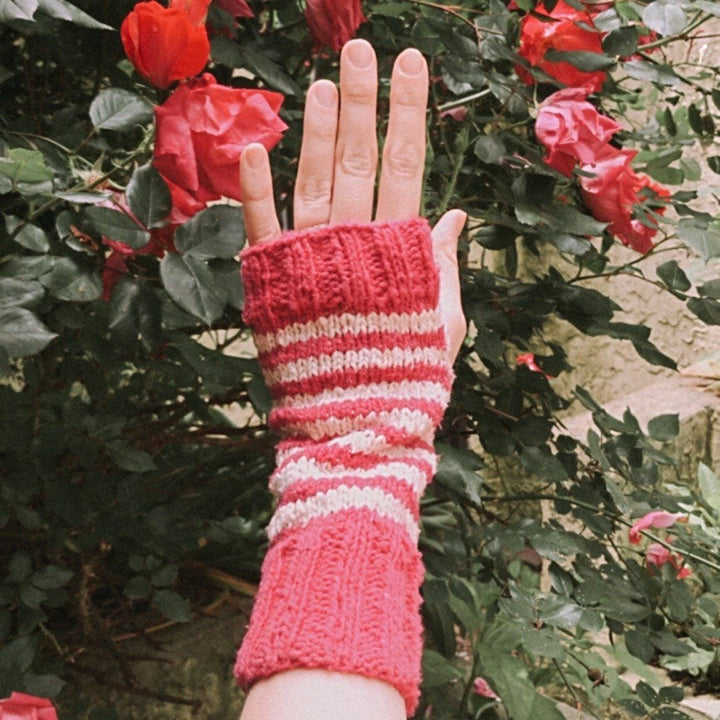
353	349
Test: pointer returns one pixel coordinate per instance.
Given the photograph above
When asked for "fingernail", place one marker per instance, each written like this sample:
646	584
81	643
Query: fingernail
324	93
254	156
410	62
360	53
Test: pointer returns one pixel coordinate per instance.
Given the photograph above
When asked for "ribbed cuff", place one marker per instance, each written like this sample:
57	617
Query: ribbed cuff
342	594
346	268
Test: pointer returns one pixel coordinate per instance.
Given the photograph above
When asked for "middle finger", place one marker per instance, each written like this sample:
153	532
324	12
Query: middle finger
356	150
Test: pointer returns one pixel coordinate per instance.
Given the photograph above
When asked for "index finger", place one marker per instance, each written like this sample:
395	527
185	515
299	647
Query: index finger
261	221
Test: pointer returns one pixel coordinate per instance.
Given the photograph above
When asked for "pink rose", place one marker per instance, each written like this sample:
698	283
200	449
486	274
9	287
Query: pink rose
654	519
612	190
481	687
528	360
202	129
572	130
26	707
658	555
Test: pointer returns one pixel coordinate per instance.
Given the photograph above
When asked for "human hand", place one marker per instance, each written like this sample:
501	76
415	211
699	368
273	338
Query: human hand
338	165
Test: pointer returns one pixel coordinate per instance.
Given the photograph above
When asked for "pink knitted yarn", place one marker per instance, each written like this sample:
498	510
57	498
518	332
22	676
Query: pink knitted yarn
353	350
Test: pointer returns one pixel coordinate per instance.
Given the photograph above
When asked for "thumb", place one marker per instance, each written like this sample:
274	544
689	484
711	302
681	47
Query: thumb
445	236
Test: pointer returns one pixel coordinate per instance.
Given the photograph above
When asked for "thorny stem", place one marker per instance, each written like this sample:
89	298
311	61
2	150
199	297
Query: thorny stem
696	22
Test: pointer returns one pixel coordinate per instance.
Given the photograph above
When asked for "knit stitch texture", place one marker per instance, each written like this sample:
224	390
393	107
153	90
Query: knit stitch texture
353	350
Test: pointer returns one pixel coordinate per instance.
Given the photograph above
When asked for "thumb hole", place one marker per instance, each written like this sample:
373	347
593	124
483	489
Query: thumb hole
445	236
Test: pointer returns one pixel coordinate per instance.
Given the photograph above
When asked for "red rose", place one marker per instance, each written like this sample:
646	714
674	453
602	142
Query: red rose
163	43
184	205
333	22
196	10
572	130
26	707
611	193
202	128
568	30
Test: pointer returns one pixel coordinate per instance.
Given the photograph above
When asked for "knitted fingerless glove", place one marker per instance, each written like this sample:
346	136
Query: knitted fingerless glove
353	350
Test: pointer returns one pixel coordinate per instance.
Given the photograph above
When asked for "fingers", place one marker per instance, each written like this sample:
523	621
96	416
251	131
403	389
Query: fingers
313	186
403	160
356	148
445	237
261	222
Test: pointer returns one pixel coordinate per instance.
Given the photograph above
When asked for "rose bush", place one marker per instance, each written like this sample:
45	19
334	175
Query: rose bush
120	444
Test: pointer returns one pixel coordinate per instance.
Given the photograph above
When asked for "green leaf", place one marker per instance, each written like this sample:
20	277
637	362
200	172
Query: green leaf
165	576
633	706
229	53
671	713
695	120
47	686
622	42
570	244
137	588
134	309
709	485
650	72
130	458
647	694
457	471
52	577
29	236
116	225
582	59
20	293
673	276
69	281
647	351
540	462
707	309
664	427
190	284
148	196
437	670
664	17
17	10
714	163
63	10
705	241
121	110
490	149
217	232
25	171
21	333
172	606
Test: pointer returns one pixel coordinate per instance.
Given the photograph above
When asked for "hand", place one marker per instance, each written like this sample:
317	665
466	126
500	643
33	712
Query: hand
338	164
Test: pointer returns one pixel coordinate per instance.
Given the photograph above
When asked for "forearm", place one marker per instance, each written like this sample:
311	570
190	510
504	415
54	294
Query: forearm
357	364
322	695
